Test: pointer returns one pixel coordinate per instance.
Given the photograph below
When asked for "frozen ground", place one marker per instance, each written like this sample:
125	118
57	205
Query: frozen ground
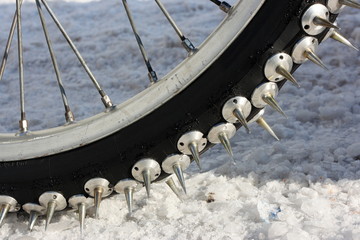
311	176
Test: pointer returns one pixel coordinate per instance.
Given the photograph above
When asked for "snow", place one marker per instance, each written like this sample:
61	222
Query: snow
304	187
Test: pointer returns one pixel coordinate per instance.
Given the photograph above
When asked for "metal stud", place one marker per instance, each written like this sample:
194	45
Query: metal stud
81	204
177	164
335	6
316	19
305	50
171	184
34	210
128	187
222	133
192	143
98	188
236	110
332	33
259	119
7	204
264	95
279	67
146	170
53	202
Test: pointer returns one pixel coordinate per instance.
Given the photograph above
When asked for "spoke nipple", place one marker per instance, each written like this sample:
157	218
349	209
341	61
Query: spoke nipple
224	6
106	101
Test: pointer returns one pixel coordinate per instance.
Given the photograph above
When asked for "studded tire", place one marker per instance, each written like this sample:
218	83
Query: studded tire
237	72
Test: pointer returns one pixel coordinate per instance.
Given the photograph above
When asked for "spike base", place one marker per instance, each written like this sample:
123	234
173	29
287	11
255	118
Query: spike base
307	20
143	165
188	138
236	103
227	128
47	197
269	88
281	59
299	51
168	164
76	200
94	183
124	184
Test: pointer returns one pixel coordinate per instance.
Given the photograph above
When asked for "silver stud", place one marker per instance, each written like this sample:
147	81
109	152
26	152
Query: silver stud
98	188
279	67
237	109
316	19
170	182
177	164
222	133
264	95
53	202
305	50
81	204
146	171
259	119
332	33
34	210
192	143
128	187
7	204
335	6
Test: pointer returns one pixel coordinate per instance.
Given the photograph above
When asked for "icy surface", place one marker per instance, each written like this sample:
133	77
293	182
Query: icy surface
305	187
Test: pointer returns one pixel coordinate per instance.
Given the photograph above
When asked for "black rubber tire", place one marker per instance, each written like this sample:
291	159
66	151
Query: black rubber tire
238	71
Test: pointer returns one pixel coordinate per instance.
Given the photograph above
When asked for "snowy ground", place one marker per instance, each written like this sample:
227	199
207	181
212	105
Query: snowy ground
311	176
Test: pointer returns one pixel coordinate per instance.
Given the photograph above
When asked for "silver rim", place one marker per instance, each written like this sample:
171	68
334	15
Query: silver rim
55	140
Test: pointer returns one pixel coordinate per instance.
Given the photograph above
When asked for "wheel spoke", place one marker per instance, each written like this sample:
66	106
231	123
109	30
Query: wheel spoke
23	122
68	113
8	43
151	73
185	41
105	98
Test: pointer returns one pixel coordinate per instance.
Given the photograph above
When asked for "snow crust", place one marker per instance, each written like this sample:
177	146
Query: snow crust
304	187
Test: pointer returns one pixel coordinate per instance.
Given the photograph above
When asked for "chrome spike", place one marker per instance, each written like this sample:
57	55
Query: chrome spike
306	44
177	164
52	201
223	137
147	181
170	182
32	219
98	193
4	209
50	210
236	110
270	100
310	54
81	203
324	23
146	170
34	210
350	3
128	187
192	143
239	114
129	196
261	121
340	38
286	74
194	149
180	175
98	188
222	133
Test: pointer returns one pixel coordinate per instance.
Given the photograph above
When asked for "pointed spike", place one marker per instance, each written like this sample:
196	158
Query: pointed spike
224	139
239	114
82	215
49	213
324	23
170	182
32	219
3	212
98	193
309	54
286	74
270	100
129	196
147	181
180	175
340	38
195	153
350	3
261	121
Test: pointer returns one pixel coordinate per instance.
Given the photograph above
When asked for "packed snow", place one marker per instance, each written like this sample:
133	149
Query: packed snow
304	187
